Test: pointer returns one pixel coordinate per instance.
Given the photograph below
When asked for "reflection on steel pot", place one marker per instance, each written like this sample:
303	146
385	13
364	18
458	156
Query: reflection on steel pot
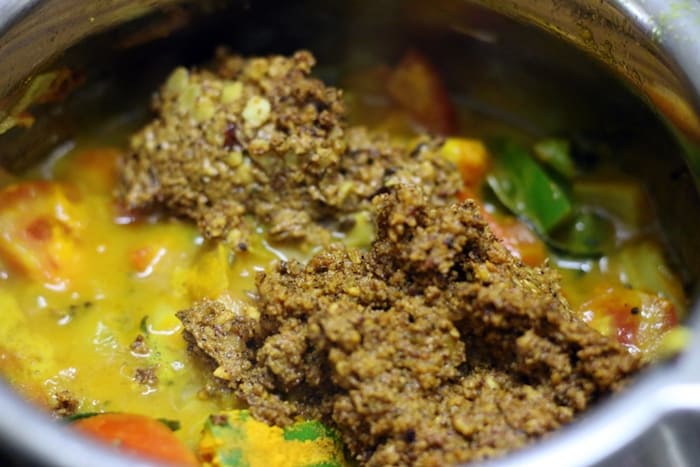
84	48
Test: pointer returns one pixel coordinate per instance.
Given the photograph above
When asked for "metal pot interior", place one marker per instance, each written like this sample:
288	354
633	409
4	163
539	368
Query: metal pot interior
506	77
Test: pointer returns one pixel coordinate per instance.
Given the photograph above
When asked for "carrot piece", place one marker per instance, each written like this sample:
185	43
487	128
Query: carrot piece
137	434
417	87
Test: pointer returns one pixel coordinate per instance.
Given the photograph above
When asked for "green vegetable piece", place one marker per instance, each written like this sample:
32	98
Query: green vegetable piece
236	439
556	154
526	189
586	234
308	431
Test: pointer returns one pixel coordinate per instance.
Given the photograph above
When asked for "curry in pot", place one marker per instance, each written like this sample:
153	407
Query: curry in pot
257	280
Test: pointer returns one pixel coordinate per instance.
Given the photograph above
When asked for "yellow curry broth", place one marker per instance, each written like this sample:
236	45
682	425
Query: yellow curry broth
76	295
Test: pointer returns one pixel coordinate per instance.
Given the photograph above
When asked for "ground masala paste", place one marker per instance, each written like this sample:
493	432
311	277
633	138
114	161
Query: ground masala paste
435	346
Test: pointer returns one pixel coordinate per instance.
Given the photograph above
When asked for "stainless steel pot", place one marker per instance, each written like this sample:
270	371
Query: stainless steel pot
653	45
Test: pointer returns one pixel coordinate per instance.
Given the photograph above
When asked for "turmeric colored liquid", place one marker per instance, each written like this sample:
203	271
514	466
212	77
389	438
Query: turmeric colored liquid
82	278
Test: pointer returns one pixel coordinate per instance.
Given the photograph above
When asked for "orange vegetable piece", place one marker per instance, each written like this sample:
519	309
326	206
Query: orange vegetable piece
418	88
40	225
139	435
515	234
518	238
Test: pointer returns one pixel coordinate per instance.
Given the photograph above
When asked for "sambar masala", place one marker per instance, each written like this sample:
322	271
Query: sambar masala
435	347
262	137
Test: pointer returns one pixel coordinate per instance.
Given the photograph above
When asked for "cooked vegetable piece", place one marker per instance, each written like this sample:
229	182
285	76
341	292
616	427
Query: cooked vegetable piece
587	233
556	154
673	342
36	87
40	225
518	238
138	434
637	319
236	439
417	87
469	156
643	266
624	199
49	87
526	189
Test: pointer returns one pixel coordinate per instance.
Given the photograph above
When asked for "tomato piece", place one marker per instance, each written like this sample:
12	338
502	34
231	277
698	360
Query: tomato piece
418	88
137	434
40	226
518	238
636	319
516	235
